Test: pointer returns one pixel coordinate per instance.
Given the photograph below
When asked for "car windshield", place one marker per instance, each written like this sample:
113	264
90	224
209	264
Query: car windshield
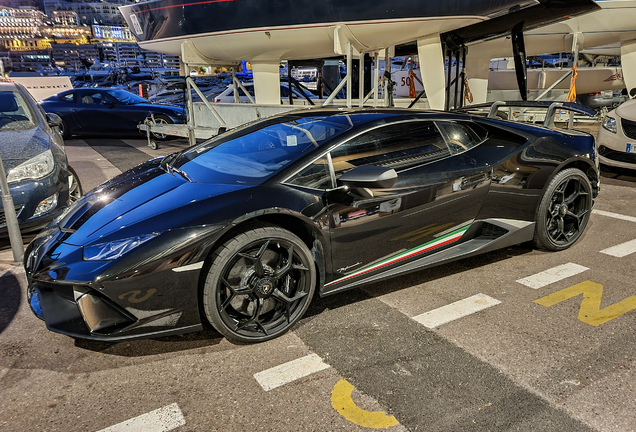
126	97
251	154
14	112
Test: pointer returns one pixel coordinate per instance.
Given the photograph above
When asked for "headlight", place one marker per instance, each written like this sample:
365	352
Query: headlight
115	249
46	205
609	123
35	168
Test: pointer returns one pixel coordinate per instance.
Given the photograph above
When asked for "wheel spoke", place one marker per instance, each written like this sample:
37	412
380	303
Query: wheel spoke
288	265
256	259
557	228
577	218
227	302
561	189
242	290
288	302
561	231
575	194
258	306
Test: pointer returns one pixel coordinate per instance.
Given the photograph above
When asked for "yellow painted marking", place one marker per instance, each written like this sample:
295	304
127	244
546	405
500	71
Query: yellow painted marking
341	401
590	311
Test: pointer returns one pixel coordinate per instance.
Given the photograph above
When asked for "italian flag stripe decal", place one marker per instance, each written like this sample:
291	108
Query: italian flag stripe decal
442	241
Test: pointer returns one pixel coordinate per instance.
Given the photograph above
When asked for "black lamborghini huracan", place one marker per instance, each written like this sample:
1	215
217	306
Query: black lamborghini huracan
242	230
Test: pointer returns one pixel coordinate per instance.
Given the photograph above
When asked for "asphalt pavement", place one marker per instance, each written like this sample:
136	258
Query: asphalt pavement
515	340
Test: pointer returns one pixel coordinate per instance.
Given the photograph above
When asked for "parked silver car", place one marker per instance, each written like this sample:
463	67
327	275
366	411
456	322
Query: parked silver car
41	182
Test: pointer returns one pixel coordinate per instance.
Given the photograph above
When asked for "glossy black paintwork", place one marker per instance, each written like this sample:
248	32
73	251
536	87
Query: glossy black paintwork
345	230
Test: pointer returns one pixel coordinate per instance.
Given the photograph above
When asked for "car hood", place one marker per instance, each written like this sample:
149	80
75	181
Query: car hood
627	110
141	201
19	146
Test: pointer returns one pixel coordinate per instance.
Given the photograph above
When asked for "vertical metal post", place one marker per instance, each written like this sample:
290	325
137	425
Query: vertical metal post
456	93
377	77
15	237
349	72
448	79
237	96
361	80
289	82
386	87
190	108
462	88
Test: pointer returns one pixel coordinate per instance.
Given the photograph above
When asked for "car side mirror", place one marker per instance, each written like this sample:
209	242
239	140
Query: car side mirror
108	103
53	119
369	176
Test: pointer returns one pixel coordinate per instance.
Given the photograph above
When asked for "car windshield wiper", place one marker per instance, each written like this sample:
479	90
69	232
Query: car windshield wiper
180	172
166	165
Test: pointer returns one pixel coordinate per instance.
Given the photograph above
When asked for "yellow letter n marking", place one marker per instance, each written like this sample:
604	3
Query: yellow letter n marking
590	311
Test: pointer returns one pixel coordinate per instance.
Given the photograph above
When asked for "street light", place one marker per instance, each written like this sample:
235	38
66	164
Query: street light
12	219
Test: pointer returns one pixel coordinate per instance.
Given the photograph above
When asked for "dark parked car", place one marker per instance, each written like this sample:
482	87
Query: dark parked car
107	111
242	230
41	182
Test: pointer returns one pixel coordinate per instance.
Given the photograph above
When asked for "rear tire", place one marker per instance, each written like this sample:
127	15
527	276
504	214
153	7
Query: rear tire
564	210
162	120
64	130
259	285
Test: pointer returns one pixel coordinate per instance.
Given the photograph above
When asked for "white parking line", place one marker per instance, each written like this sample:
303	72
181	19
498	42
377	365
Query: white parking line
160	420
291	371
456	310
621	250
552	275
614	215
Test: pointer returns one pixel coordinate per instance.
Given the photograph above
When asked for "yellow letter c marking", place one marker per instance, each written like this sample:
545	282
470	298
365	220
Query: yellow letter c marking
342	402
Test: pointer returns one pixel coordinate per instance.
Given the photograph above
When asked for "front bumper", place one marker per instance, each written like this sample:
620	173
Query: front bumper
109	300
79	312
28	194
612	148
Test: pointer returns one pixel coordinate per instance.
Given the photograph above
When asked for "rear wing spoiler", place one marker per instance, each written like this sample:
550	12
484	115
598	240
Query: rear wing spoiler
550	107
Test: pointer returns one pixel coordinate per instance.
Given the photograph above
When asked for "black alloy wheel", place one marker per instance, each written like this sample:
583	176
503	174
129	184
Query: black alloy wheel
260	283
74	186
564	210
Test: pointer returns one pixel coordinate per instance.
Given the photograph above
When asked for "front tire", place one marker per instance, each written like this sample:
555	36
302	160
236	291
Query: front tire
259	285
74	186
564	210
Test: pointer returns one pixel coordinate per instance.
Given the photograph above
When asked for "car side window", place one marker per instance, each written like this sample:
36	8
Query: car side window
69	97
399	146
92	98
459	136
315	175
